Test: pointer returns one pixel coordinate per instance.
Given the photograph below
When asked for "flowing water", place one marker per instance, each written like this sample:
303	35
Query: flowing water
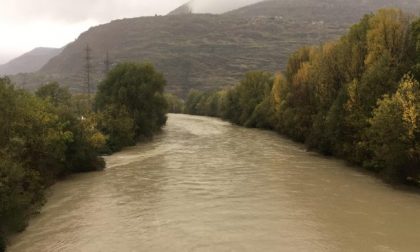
205	185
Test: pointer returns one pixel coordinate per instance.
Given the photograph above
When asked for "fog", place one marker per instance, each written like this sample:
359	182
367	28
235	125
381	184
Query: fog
218	6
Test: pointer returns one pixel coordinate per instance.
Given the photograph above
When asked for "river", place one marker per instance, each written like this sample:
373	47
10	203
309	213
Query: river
205	185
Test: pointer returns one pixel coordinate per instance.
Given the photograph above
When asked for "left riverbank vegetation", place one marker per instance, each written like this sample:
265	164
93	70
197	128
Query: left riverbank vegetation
51	133
356	98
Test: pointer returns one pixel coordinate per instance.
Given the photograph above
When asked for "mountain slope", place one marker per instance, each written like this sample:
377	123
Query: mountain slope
203	51
340	11
29	62
193	51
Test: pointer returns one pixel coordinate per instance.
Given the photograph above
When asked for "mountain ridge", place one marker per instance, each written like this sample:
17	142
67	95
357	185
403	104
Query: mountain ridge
29	62
204	51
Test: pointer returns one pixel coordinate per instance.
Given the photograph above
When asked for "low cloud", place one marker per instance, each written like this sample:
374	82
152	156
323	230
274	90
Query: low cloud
26	24
218	6
80	10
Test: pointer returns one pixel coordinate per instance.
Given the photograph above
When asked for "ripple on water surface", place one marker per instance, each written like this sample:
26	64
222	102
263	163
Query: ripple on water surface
205	185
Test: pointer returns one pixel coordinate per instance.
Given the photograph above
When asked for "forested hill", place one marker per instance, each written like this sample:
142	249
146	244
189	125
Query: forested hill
206	52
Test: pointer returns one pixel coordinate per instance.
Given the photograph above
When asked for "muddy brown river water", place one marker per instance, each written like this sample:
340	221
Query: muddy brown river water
205	185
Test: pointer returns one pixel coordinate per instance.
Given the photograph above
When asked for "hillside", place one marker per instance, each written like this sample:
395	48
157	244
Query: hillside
29	62
193	51
339	11
203	51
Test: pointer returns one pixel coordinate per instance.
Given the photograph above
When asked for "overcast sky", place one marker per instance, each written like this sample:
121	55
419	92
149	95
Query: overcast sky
26	24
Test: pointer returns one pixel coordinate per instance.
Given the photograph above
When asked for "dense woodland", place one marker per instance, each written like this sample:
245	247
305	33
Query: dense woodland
357	98
49	134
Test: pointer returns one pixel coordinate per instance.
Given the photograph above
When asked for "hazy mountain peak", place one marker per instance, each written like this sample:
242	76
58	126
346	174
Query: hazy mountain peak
213	7
29	62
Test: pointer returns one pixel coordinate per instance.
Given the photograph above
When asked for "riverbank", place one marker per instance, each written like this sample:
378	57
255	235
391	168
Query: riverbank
50	134
356	98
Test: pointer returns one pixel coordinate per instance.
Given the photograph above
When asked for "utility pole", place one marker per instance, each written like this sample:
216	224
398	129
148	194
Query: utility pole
107	63
88	69
24	81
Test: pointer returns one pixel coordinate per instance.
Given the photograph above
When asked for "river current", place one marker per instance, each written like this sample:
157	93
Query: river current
206	185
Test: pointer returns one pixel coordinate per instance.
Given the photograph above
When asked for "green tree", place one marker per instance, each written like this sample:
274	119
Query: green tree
20	188
175	104
32	145
54	93
344	98
388	35
252	90
138	89
415	30
394	135
231	108
42	137
116	123
193	99
80	124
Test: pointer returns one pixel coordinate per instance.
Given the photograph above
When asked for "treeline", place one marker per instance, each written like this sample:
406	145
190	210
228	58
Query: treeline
357	98
175	104
49	134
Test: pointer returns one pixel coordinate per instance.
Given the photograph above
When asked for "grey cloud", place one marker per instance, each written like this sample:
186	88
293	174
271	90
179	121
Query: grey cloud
218	6
79	10
105	10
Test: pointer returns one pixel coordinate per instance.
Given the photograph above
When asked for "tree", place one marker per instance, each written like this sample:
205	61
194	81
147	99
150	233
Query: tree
80	126
355	49
415	30
20	188
42	137
138	90
175	104
394	135
231	107
192	101
252	90
115	122
54	93
388	34
32	145
346	98
88	69
267	113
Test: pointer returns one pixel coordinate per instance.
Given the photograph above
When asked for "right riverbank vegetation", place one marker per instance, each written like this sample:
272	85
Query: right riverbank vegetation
51	133
356	98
